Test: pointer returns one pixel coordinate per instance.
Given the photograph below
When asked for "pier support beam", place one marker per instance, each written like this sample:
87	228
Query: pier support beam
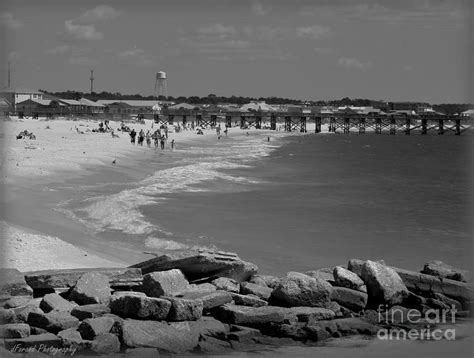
228	121
198	120
423	126
287	124
317	122
332	124
242	122
361	125
378	126
347	124
273	122
458	127
393	126
213	120
258	122
440	127
407	126
184	120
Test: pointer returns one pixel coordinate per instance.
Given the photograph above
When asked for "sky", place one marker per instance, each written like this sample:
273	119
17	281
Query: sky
417	50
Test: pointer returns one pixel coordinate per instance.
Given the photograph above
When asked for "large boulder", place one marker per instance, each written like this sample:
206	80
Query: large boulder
55	279
105	343
209	300
140	306
251	316
325	274
90	311
12	283
443	270
352	299
91	288
348	279
198	264
53	321
226	284
14	330
248	300
262	292
22	312
175	338
298	289
17	301
269	280
384	285
165	283
54	302
307	314
92	327
355	265
71	338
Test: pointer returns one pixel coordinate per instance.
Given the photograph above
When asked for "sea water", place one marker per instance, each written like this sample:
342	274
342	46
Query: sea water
298	203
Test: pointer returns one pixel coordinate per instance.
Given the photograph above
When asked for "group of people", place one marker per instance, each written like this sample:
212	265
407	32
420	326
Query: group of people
158	137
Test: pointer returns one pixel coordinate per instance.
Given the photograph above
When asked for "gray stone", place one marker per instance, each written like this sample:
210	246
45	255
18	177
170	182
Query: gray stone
137	306
12	283
198	264
209	326
118	277
355	265
211	345
22	312
427	285
202	287
448	301
174	338
251	316
443	270
257	280
307	314
37	330
325	274
105	343
53	321
17	301
384	285
413	300
7	316
72	338
92	327
184	309
14	330
242	334
209	300
298	289
21	344
269	280
348	279
164	283
352	299
90	311
261	292
54	302
91	288
141	353
226	284
248	300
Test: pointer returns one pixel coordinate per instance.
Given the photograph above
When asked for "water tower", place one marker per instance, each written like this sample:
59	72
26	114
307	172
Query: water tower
161	88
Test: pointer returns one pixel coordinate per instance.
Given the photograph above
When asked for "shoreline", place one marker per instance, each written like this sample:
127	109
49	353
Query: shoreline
35	187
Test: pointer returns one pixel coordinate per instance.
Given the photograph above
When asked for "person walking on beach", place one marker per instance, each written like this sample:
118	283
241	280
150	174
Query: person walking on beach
148	138
156	137
133	134
172	144
141	137
162	142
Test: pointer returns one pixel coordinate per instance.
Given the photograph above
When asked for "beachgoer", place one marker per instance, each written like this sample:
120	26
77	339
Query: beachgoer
172	144
162	142
268	139
148	138
141	137
133	134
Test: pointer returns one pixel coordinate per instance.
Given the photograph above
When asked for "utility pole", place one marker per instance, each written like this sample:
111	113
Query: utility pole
92	81
9	75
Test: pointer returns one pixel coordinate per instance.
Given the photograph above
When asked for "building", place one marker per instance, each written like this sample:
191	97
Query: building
34	107
15	95
257	106
417	107
5	107
139	106
468	113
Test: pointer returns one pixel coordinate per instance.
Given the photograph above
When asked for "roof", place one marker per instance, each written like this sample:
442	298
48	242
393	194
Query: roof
89	103
257	106
19	89
133	103
43	102
183	106
71	102
4	102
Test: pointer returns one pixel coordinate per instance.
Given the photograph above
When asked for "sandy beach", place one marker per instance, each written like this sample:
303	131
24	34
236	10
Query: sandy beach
63	150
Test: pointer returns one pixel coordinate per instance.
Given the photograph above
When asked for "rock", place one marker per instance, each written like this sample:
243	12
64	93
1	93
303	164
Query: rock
251	316
72	338
269	280
184	309
141	353
53	321
248	300
105	343
54	302
209	300
33	342
70	334
336	308
164	283
198	264
352	299
90	311
22	312
92	327
136	306
118	277
12	283
7	316
14	330
209	326
307	314
448	301
174	338
355	265
211	345
297	289
443	270
202	287
320	330
384	285
226	284
91	288
17	301
348	279
242	334
294	330
37	330
261	292
436	304
413	300
325	274
427	285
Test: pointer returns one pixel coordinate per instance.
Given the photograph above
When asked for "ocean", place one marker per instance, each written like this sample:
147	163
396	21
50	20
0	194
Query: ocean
295	203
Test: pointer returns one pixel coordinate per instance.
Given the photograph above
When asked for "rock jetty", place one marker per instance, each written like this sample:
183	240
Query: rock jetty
206	302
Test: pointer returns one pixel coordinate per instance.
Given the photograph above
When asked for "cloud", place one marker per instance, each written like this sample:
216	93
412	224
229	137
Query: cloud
83	27
351	62
136	56
7	20
82	61
259	9
218	30
313	31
